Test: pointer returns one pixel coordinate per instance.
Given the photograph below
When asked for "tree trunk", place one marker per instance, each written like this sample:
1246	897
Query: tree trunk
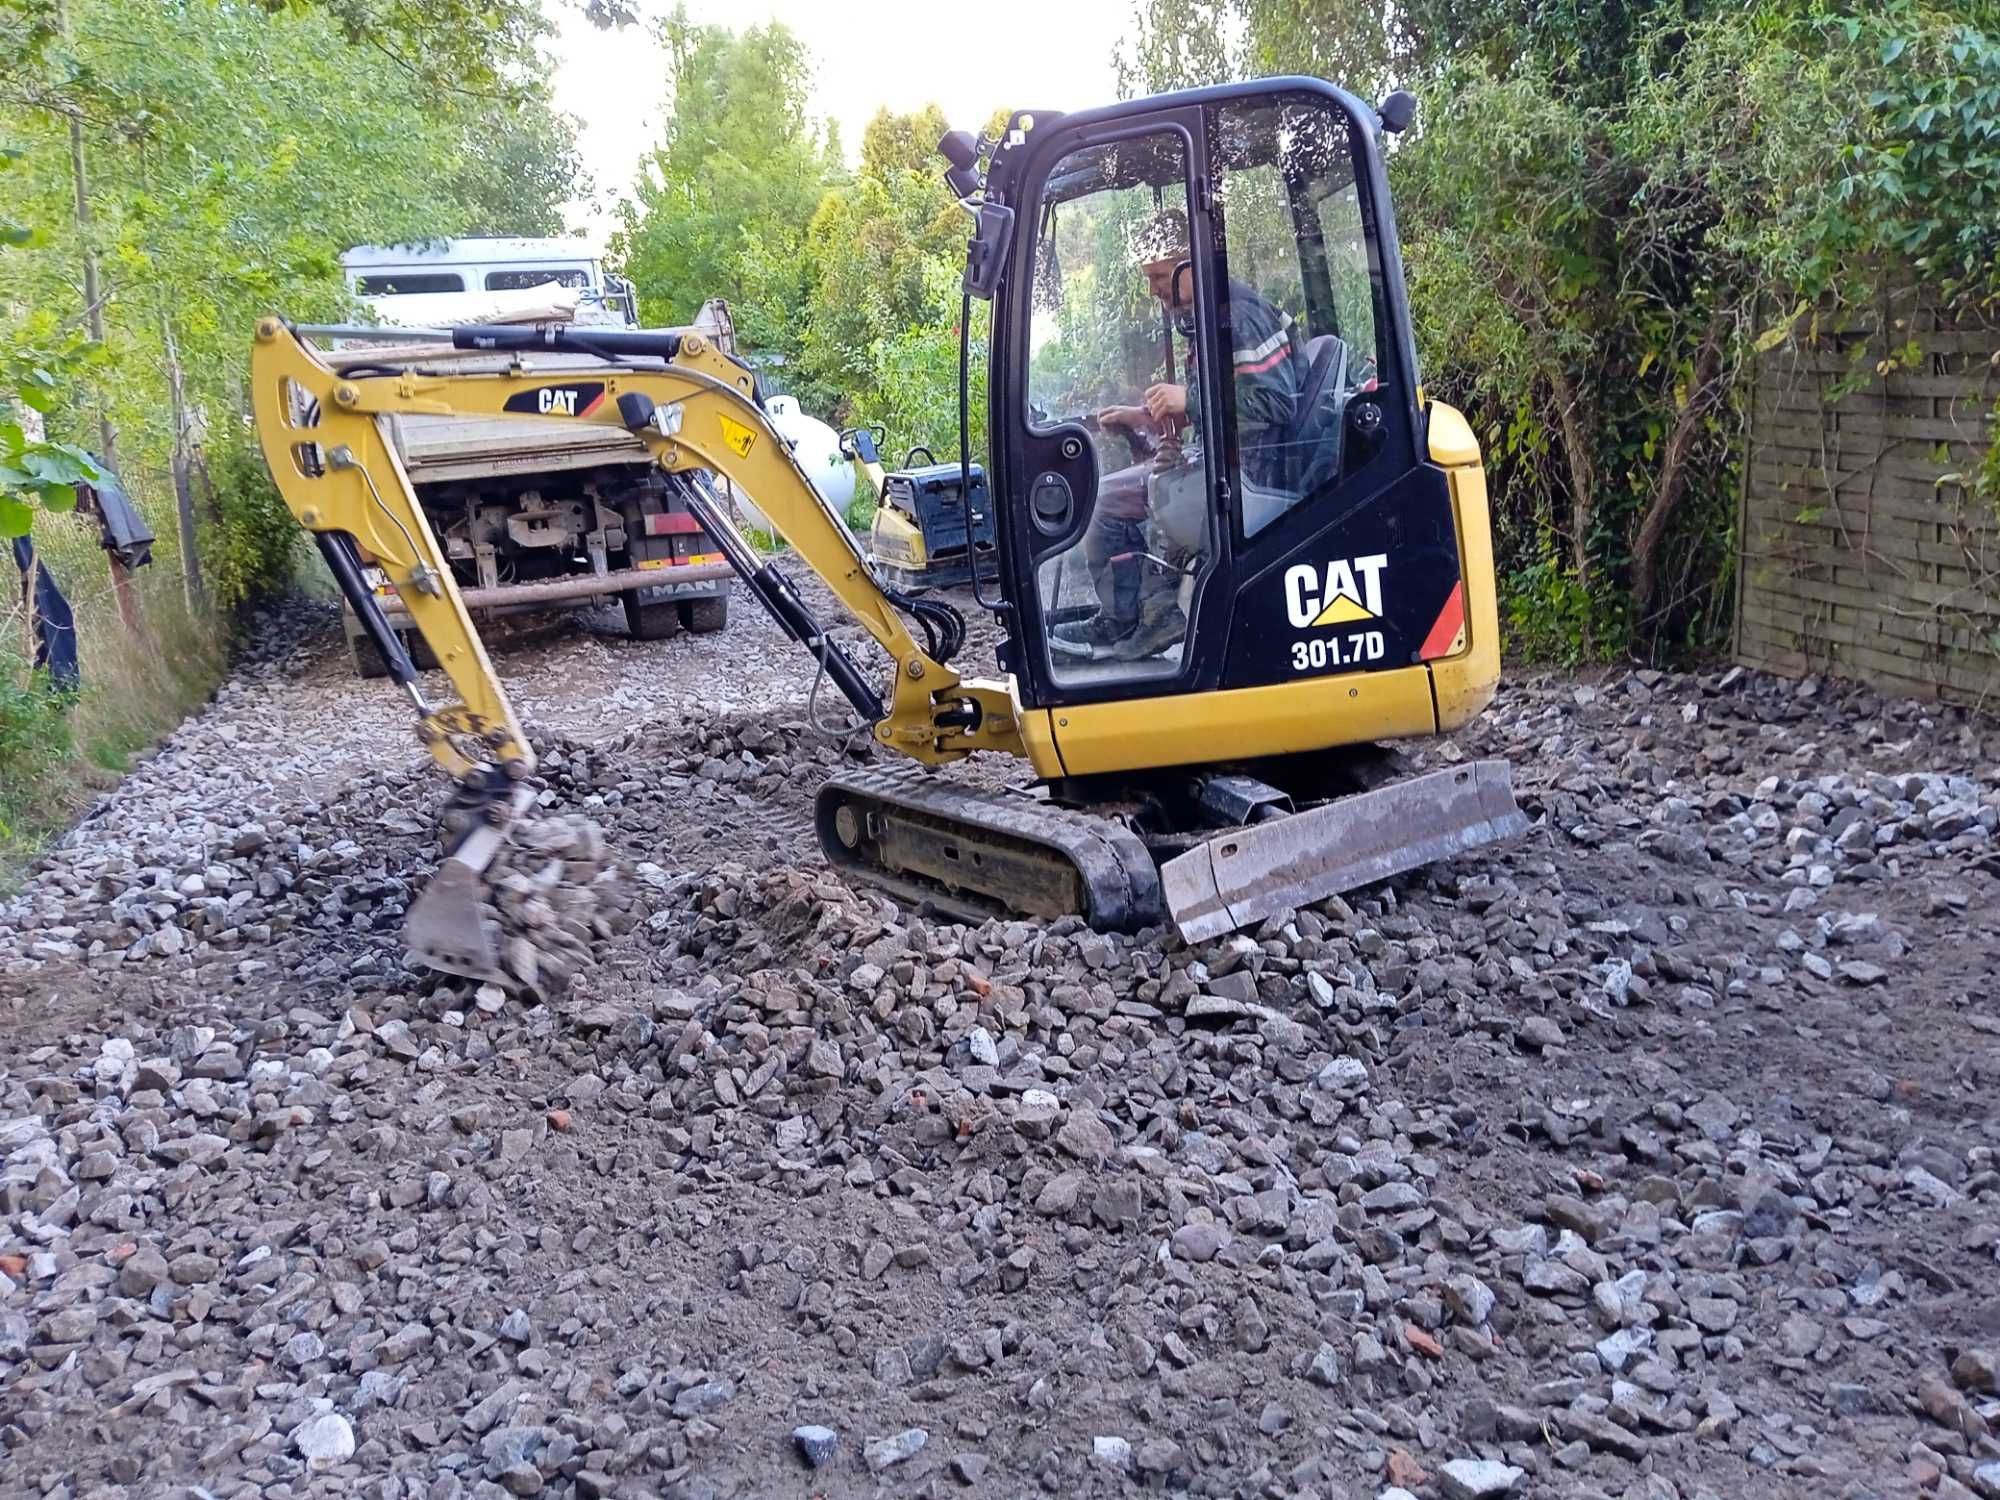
93	301
1581	459
192	587
1582	476
1702	388
93	311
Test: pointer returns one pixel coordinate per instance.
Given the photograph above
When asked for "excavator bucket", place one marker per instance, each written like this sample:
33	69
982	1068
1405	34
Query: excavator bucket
1251	873
452	926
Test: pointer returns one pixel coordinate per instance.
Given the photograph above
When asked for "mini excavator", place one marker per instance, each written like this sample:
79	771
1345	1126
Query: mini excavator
1237	545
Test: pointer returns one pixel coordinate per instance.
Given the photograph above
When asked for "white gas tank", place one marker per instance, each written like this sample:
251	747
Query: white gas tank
816	446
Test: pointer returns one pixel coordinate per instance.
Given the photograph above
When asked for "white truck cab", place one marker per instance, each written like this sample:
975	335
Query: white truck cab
441	282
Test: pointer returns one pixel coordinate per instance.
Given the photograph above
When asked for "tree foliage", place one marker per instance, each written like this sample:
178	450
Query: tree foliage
724	200
1606	210
844	285
230	153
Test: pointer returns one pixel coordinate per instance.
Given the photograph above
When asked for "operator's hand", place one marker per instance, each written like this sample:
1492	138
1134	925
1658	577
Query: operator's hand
1131	417
1167	404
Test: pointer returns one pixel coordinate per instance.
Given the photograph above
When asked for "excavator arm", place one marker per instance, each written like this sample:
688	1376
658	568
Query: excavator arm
695	409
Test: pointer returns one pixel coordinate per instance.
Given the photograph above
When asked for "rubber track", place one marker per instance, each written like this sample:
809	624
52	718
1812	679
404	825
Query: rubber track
1117	872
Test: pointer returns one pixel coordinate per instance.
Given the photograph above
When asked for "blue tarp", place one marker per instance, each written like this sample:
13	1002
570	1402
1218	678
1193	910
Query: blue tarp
55	624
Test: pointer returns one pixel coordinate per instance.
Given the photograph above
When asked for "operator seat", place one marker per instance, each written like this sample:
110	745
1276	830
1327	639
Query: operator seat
1314	440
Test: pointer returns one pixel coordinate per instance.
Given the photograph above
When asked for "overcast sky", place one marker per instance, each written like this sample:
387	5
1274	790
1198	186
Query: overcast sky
1028	54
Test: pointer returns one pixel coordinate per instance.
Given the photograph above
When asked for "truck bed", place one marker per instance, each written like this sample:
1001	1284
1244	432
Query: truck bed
438	449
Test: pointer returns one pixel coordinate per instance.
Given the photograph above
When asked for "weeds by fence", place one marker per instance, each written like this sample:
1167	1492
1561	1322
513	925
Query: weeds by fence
59	750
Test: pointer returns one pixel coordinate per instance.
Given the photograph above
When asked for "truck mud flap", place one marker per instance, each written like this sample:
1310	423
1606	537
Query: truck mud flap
1255	872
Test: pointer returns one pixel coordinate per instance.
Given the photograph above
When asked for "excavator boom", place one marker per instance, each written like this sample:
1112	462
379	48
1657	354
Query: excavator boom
697	412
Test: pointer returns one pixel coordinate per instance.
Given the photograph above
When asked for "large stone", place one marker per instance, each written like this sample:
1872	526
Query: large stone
1977	1370
1199	1241
884	1452
1477	1479
1085	1136
324	1440
1471	1300
815	1444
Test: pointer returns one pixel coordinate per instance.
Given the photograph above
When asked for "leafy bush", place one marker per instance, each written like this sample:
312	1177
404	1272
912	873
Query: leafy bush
1550	614
861	513
34	733
252	547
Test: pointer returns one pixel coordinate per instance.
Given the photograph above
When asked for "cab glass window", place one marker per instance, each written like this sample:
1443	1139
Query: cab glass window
1111	354
514	281
408	283
1301	302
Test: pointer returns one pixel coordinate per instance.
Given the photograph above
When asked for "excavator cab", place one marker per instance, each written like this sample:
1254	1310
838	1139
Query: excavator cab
1208	440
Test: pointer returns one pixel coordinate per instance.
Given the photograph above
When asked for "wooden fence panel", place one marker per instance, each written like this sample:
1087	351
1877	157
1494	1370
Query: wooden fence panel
1865	551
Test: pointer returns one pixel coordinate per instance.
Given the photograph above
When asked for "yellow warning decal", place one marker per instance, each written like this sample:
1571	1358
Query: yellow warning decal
1341	610
741	439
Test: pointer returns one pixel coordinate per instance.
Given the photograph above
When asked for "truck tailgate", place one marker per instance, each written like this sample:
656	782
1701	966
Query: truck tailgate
437	449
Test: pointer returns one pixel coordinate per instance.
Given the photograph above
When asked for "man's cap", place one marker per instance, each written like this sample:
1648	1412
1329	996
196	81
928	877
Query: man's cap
1161	236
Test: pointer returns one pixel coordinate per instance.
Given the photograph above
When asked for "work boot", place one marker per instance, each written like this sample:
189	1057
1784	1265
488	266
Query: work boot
1090	637
1161	627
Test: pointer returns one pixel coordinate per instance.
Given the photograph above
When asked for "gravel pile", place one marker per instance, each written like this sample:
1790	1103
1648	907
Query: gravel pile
1656	1155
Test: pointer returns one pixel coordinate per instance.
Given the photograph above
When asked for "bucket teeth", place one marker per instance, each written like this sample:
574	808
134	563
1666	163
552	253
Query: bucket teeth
451	925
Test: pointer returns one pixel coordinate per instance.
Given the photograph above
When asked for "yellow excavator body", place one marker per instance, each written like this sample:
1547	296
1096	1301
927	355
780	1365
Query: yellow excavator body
1201	646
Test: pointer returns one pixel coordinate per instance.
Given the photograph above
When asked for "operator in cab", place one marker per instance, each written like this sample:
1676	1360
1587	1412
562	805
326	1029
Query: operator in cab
1139	612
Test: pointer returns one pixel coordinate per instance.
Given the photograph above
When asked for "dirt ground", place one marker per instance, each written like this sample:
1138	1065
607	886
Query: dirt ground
1657	1154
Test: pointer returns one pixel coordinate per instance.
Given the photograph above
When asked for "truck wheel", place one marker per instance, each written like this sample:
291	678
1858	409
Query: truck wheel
421	656
367	660
706	616
651	622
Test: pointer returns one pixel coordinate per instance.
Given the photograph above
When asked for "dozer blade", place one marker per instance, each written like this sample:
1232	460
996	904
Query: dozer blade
451	925
1250	873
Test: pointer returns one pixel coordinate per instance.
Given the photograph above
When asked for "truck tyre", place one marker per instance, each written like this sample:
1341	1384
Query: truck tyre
421	656
706	616
367	660
651	622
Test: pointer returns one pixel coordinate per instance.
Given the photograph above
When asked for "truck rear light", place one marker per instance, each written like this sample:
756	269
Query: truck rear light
671	523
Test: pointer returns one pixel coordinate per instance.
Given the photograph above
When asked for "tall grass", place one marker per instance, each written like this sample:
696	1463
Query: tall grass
57	752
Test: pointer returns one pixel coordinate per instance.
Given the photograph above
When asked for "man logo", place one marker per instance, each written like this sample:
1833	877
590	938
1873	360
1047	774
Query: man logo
1345	591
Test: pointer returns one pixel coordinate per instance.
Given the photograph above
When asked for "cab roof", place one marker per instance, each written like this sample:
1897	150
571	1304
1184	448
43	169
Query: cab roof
477	250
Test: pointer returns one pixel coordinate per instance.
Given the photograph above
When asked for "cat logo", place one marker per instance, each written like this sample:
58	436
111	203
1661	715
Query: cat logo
1345	591
577	400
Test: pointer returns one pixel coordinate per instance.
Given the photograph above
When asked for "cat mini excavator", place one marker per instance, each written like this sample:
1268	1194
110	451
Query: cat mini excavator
1237	545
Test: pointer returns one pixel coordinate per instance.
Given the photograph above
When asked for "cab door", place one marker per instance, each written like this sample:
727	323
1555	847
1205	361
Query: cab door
1277	518
1112	537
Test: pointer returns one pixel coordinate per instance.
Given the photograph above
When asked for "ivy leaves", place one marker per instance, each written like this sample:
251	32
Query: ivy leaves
1929	175
36	475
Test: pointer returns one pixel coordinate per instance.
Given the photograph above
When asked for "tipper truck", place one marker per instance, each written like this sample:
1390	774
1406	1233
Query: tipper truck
532	515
